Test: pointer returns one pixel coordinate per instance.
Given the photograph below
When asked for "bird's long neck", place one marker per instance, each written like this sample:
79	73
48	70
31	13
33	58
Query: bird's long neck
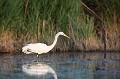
55	41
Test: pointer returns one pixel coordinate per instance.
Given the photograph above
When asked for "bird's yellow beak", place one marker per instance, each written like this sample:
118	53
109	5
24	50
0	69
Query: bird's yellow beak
66	36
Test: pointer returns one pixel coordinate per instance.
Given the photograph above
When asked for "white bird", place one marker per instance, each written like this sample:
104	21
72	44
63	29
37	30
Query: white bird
41	47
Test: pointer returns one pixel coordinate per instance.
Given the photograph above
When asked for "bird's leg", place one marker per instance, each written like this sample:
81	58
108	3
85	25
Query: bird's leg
37	55
37	58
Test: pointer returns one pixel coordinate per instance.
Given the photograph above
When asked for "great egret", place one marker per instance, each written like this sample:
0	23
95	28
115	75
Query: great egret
40	47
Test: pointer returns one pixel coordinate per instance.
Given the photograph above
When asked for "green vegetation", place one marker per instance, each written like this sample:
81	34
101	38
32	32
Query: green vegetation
91	25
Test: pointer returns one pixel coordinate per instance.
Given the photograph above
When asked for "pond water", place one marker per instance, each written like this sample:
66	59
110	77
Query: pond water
62	65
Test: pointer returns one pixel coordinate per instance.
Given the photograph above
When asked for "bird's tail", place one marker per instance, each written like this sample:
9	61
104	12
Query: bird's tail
26	50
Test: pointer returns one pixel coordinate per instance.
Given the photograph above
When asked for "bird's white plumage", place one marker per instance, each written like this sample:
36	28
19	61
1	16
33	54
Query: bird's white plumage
35	48
40	47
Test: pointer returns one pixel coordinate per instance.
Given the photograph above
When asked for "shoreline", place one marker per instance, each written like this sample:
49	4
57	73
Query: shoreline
81	52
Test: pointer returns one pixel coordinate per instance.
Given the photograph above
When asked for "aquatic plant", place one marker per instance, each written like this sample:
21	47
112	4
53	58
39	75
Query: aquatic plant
88	23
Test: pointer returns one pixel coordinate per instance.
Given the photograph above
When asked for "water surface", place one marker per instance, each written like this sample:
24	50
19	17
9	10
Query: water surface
62	65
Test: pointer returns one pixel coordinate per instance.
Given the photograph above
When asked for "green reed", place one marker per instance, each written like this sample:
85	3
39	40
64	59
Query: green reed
40	20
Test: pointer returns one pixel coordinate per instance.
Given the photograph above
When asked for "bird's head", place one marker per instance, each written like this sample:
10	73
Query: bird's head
61	33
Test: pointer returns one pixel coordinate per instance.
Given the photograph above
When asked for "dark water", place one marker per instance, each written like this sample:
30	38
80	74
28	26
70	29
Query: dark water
67	65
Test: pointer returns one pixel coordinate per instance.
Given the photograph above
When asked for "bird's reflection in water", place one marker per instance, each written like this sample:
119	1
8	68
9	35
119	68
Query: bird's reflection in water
38	69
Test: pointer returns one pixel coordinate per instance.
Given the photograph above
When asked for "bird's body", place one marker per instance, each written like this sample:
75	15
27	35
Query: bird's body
35	48
41	47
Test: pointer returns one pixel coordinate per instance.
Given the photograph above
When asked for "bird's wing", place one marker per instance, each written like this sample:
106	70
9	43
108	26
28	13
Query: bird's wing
37	47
